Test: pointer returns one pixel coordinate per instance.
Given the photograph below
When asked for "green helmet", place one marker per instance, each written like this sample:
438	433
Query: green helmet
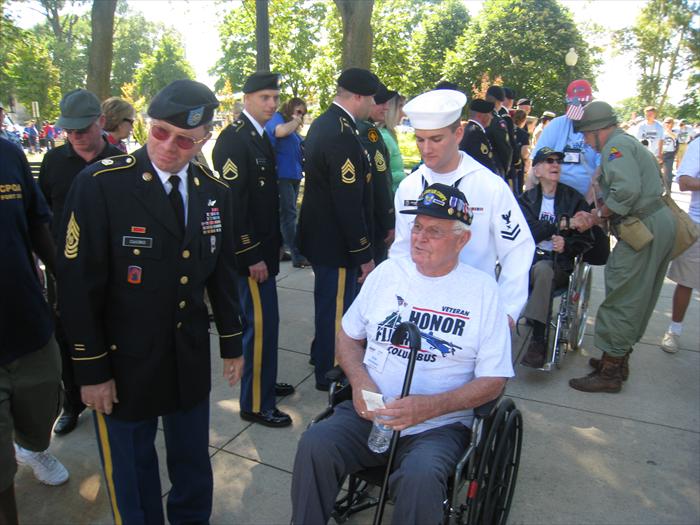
596	115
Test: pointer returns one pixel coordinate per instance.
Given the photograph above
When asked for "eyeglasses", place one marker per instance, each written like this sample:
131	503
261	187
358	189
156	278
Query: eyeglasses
300	112
182	141
552	160
78	131
431	232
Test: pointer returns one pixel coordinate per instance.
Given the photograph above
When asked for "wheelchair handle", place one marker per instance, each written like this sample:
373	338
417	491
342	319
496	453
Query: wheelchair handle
414	341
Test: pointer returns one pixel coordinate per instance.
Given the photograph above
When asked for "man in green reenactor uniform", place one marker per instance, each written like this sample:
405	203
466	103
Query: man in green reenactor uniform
630	187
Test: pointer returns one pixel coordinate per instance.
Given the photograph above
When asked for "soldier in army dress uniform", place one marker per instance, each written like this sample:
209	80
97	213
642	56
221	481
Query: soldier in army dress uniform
381	174
335	223
498	133
244	157
475	143
142	237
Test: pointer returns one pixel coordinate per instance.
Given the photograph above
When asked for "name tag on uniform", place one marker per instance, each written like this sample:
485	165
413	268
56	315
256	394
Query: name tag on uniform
137	242
375	358
410	202
572	156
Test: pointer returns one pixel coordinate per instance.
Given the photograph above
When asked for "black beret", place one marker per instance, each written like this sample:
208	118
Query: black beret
446	84
261	80
184	103
497	93
384	94
509	93
359	81
481	106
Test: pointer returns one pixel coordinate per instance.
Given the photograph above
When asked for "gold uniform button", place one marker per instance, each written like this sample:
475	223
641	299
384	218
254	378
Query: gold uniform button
184	279
186	254
113	347
179	325
136	251
182	304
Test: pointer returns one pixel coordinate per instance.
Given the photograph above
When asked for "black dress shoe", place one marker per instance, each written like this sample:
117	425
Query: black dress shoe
285	256
283	389
270	418
66	423
322	387
303	263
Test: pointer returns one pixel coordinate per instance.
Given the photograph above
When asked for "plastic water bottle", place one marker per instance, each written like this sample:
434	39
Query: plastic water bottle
380	436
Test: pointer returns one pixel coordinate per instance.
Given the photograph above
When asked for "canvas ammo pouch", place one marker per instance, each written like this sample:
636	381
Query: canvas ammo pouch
632	230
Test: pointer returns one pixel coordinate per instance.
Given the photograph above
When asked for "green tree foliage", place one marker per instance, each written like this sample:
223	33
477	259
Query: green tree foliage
10	40
167	63
34	77
522	43
394	22
662	40
437	33
295	43
690	105
134	37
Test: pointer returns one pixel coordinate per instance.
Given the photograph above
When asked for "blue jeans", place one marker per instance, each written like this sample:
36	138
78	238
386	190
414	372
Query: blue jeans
289	191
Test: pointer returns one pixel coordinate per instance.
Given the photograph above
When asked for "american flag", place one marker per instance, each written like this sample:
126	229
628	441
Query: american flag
574	112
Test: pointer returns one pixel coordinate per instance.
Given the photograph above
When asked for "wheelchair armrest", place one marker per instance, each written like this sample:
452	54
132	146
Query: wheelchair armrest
485	410
335	374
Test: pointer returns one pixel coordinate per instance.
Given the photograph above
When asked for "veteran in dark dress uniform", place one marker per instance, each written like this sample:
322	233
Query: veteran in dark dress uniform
378	153
335	222
244	157
475	143
82	119
499	134
143	235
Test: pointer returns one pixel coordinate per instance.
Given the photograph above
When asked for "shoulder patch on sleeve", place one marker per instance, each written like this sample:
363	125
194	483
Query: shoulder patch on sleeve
614	154
229	170
119	162
347	172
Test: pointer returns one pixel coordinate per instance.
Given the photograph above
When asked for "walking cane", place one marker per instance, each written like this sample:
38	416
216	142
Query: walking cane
414	340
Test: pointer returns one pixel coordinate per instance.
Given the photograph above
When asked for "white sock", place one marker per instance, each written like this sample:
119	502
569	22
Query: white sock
675	328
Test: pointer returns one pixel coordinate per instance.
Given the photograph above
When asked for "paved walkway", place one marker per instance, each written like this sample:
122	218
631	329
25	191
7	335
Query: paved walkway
628	458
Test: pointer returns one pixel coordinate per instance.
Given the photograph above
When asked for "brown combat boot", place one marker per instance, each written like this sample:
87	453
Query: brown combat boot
607	379
595	363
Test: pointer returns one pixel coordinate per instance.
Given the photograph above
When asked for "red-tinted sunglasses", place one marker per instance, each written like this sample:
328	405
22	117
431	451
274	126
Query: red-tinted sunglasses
182	141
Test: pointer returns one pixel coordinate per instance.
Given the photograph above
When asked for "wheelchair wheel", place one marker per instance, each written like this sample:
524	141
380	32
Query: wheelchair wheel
491	491
578	305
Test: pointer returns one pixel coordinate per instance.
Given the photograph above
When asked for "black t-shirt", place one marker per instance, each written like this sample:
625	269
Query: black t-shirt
25	317
58	170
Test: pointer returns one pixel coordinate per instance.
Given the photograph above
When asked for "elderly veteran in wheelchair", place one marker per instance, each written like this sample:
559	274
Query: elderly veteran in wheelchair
464	362
549	209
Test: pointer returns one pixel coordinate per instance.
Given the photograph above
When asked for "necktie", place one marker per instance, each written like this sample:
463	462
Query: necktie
176	201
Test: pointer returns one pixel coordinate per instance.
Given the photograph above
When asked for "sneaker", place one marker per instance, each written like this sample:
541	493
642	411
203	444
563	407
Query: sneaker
669	343
46	467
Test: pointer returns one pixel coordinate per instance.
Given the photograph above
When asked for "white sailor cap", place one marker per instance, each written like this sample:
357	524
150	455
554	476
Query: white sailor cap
435	109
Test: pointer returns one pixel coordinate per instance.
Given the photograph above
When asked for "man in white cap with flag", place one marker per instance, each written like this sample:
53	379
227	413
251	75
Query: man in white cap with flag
499	231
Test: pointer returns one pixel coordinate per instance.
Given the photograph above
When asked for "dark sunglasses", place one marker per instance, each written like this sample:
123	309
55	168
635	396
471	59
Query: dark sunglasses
182	141
552	160
78	131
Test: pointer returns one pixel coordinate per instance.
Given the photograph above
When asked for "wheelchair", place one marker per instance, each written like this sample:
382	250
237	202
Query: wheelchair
481	489
569	323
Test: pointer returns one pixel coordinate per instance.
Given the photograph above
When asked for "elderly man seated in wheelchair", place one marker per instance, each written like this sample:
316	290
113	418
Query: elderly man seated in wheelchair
464	361
550	209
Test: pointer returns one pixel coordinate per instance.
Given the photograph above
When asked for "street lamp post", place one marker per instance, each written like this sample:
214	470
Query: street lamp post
571	58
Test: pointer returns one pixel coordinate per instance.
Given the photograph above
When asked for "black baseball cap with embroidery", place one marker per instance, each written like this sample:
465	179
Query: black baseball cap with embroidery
544	153
442	202
184	103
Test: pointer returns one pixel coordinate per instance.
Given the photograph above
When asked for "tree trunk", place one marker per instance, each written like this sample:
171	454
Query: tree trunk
672	69
357	32
100	60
